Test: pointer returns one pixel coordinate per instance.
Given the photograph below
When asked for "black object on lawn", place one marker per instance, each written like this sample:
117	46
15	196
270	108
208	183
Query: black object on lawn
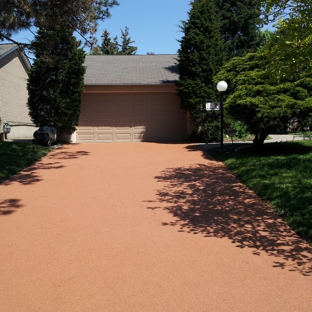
45	136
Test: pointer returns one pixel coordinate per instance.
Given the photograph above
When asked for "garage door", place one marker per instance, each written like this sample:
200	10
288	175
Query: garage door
131	118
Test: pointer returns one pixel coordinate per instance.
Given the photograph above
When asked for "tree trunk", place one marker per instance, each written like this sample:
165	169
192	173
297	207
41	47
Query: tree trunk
259	138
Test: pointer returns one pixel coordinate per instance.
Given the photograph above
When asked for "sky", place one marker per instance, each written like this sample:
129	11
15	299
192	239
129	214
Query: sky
153	24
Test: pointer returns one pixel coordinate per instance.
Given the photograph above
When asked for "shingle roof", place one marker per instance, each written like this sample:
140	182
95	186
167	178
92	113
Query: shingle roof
6	47
131	69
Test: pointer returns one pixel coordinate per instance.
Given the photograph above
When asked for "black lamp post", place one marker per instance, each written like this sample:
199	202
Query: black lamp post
221	86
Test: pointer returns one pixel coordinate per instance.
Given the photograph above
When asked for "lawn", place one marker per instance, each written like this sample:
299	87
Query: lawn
14	157
281	174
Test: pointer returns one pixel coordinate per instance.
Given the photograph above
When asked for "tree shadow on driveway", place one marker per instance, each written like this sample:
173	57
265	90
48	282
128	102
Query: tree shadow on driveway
31	174
8	206
208	200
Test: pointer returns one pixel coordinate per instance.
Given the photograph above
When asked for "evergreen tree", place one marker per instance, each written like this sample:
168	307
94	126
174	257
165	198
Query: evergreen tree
81	16
214	32
112	46
201	55
108	46
239	27
125	47
55	82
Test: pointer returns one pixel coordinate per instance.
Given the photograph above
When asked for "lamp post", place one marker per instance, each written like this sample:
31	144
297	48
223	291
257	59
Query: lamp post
221	86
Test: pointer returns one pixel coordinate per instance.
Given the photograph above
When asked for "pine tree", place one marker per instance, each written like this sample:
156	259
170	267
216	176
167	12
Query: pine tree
125	47
112	46
201	55
108	46
55	82
240	24
215	31
81	16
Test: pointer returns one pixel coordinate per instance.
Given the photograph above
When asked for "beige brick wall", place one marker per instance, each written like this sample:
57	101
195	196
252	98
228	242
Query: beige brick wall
13	95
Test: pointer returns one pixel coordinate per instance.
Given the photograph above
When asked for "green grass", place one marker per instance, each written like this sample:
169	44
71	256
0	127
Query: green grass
14	157
281	174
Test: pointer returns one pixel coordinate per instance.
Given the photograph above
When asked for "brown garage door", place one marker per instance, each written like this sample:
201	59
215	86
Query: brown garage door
131	117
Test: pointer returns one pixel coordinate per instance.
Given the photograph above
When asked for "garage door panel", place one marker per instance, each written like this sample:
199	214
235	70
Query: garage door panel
138	128
85	137
104	137
104	128
122	129
138	137
86	128
123	137
131	117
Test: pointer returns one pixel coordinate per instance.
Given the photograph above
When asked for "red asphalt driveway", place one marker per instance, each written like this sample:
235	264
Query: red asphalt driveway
144	227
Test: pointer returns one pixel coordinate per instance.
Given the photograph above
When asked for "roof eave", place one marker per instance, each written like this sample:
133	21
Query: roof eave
23	56
8	52
132	84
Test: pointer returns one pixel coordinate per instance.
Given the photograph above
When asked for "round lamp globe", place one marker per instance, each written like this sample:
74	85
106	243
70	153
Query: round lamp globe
222	86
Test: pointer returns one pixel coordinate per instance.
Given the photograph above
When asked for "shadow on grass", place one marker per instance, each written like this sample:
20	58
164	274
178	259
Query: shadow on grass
285	148
8	206
52	161
207	200
281	174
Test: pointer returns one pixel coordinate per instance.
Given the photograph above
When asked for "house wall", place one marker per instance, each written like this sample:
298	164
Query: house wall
13	96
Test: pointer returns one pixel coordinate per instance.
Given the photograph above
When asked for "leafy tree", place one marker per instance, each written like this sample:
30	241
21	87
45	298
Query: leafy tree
275	9
265	37
265	107
215	31
55	82
112	46
292	47
81	16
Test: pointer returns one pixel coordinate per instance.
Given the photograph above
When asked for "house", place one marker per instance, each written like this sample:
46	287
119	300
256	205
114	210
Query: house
131	98
14	67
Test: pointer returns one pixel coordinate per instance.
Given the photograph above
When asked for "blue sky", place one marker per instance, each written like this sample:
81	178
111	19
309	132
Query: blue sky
153	24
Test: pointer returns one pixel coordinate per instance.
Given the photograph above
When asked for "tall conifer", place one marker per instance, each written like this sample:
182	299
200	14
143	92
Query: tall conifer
215	31
240	22
201	55
55	82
